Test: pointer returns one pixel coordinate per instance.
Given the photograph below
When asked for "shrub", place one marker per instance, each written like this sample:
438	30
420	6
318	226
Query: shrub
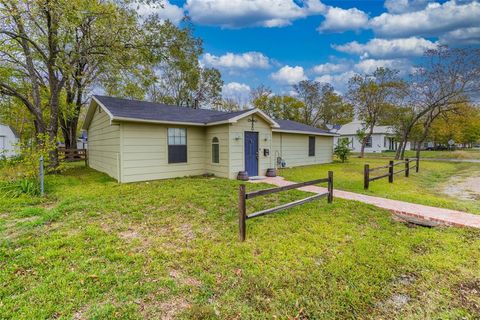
21	175
342	151
14	189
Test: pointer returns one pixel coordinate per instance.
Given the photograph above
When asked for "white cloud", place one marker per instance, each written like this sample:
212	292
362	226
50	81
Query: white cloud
166	12
339	20
466	36
247	60
289	75
384	48
368	66
246	13
434	20
402	6
329	67
338	81
236	91
339	77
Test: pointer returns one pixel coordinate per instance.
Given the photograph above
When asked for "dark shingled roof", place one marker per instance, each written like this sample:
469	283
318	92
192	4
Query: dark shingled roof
143	110
297	126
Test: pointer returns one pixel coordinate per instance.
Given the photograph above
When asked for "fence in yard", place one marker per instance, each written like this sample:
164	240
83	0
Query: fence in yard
243	196
74	154
391	171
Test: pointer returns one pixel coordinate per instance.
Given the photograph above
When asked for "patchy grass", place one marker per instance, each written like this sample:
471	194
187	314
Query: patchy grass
457	154
426	187
168	249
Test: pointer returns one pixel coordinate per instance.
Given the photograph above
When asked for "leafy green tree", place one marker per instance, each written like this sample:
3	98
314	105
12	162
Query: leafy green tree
309	92
342	150
372	96
280	107
321	105
52	52
333	108
179	78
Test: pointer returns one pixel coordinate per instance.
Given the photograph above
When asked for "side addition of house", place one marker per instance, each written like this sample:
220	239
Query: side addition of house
138	141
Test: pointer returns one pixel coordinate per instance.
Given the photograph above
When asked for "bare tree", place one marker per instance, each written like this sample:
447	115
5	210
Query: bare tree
448	78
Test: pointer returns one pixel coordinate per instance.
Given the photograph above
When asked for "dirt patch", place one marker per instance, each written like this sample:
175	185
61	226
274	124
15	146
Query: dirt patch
81	313
469	295
168	309
184	279
465	188
129	235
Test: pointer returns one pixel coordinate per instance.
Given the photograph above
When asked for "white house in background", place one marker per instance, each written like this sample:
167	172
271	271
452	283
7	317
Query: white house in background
382	139
8	140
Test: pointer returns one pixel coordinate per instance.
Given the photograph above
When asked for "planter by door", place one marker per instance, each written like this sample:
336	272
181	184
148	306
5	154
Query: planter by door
251	153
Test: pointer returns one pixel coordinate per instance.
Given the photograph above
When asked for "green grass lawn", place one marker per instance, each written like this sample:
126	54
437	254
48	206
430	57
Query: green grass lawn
425	187
94	249
457	154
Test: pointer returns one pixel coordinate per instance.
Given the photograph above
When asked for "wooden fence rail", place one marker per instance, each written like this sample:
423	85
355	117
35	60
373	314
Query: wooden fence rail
243	196
391	171
74	154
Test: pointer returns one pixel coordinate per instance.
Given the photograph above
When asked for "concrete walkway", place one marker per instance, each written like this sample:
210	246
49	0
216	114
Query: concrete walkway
409	211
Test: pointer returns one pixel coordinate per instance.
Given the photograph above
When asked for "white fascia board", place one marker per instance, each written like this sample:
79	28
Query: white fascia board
103	107
246	114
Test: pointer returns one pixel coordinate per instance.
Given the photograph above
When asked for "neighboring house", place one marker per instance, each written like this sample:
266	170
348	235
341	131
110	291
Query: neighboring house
137	141
382	139
8	141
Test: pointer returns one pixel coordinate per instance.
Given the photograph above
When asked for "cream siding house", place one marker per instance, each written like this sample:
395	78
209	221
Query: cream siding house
139	141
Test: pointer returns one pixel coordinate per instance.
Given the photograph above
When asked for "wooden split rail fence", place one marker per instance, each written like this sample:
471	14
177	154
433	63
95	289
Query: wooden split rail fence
74	154
391	171
243	196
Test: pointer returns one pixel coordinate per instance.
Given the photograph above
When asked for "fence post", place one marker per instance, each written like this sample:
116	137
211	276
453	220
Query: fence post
242	213
85	155
418	163
366	176
41	176
390	172
330	186
407	167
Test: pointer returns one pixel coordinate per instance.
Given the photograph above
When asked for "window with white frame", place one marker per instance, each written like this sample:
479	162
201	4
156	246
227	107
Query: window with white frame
215	150
177	145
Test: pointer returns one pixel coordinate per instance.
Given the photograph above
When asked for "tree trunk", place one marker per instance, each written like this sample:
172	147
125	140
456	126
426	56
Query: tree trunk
401	143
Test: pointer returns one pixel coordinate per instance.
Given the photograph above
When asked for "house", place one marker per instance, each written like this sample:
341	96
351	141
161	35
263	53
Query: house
382	139
8	141
138	141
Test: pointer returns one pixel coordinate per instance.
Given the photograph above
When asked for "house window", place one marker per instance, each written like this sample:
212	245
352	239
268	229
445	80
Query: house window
215	150
369	142
311	146
177	145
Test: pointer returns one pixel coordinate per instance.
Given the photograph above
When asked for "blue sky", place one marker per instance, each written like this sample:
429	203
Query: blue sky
279	42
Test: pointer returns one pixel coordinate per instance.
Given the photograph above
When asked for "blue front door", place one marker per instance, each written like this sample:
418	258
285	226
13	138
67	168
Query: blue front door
251	153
